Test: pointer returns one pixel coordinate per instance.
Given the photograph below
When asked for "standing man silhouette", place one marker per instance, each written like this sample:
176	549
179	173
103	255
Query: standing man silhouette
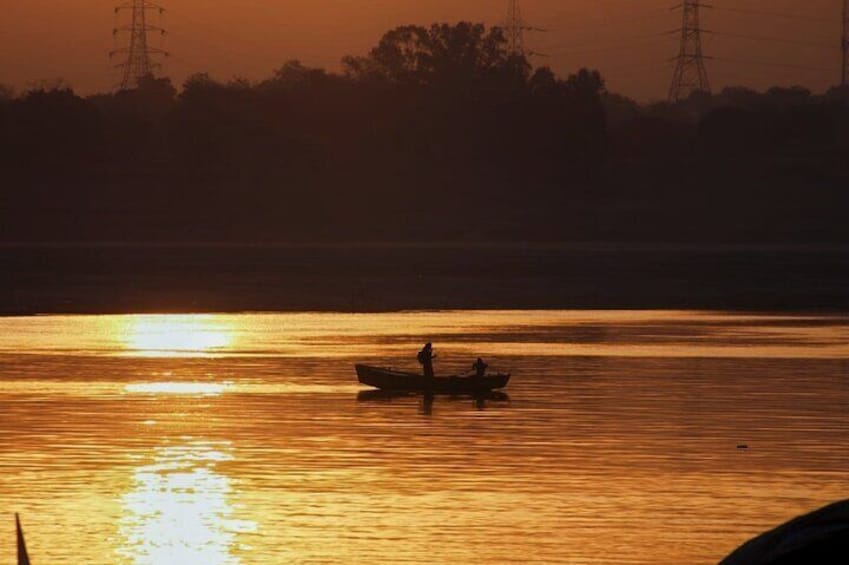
426	357
479	367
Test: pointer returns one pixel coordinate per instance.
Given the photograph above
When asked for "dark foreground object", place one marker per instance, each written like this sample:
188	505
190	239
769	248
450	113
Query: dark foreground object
818	538
391	380
23	556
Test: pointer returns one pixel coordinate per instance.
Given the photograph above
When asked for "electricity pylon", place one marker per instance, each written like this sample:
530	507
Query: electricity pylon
844	77
690	74
515	28
139	62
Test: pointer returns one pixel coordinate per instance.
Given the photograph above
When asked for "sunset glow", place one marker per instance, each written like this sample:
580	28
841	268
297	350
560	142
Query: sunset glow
622	38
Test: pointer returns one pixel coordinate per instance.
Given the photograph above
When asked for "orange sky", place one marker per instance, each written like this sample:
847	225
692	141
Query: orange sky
47	39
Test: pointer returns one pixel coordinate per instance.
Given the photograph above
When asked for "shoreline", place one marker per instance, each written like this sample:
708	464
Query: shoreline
387	278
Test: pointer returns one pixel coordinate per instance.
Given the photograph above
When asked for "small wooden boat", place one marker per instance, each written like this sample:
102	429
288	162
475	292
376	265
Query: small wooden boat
392	380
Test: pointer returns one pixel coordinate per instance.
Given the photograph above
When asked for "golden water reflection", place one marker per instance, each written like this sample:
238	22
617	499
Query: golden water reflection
618	445
177	387
173	335
647	334
179	511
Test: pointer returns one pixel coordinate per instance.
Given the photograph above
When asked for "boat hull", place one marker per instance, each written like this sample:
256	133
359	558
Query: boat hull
392	380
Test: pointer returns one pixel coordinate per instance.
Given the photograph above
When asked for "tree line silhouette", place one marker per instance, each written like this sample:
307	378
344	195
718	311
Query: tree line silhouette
438	133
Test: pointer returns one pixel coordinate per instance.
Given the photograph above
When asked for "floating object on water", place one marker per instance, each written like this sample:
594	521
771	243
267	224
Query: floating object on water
742	446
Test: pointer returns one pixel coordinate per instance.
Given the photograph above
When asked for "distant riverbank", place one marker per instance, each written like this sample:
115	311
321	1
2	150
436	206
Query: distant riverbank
112	278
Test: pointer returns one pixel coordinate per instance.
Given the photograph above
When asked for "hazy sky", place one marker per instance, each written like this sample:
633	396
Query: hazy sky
48	39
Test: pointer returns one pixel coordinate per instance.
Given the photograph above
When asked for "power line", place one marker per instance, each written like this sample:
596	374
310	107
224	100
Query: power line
774	39
640	41
631	68
742	73
769	64
786	15
630	16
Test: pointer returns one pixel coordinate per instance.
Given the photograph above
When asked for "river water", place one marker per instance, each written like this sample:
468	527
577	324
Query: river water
661	437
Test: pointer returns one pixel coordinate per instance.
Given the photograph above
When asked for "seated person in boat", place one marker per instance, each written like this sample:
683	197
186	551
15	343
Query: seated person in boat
479	367
425	357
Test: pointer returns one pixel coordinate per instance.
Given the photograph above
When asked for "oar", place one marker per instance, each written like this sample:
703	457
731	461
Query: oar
23	557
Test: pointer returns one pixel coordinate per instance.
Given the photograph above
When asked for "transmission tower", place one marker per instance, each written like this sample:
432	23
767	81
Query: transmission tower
515	28
139	60
844	77
690	74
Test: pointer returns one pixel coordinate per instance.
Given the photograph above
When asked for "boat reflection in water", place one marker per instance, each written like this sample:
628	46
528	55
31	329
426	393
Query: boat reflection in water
480	399
178	509
387	395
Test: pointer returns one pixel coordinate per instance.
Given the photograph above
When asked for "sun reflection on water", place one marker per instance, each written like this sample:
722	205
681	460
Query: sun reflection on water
175	335
176	387
178	509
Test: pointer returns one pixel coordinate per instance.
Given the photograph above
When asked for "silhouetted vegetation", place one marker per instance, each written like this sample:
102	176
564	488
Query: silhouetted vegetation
438	133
